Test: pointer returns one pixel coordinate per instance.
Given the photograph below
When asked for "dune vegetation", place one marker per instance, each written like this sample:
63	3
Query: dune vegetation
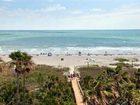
111	86
24	83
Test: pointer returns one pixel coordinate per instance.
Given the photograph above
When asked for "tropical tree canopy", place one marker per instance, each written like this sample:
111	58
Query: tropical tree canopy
113	86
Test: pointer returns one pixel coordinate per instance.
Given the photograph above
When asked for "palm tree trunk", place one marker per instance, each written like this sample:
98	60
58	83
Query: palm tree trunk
18	98
23	88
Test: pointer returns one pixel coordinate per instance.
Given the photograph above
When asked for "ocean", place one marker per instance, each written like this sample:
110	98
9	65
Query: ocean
70	41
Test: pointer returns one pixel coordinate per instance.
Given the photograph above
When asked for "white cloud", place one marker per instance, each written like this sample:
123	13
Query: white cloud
8	0
41	12
1	9
121	18
53	8
77	12
127	17
97	10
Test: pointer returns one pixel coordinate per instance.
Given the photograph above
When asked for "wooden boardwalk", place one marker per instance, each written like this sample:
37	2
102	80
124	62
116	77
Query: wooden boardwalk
77	93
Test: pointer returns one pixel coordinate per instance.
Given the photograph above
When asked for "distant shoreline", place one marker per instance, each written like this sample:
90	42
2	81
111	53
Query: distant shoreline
69	29
76	50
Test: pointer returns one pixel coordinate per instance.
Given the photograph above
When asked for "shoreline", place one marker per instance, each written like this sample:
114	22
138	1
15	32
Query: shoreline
74	50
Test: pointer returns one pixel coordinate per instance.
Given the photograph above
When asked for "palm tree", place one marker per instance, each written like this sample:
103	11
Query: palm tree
22	62
110	87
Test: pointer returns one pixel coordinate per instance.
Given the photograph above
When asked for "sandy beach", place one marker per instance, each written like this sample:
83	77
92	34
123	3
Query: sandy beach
75	60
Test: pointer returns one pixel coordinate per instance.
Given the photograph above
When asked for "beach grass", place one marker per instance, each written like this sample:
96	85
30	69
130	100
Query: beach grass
42	72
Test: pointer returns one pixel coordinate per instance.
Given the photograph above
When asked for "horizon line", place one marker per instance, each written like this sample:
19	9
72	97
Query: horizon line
66	29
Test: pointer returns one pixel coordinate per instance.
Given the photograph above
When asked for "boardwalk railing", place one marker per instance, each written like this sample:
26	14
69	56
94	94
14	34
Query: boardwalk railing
78	92
79	86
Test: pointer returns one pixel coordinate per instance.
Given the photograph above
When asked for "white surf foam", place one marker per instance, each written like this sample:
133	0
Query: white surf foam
75	50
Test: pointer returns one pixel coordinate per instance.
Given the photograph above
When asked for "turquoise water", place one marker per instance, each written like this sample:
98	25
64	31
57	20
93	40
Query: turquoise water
69	41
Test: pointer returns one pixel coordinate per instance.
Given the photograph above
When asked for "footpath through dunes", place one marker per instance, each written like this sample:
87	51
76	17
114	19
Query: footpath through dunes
77	93
76	89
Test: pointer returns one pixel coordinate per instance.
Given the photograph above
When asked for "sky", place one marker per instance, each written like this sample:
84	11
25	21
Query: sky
69	14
